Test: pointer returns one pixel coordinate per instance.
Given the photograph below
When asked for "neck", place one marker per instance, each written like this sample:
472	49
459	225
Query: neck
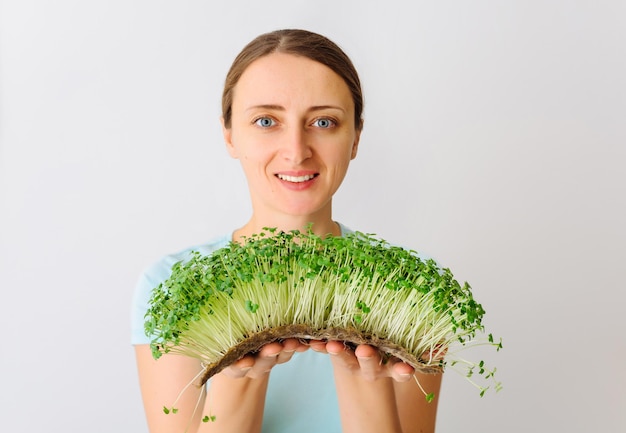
321	227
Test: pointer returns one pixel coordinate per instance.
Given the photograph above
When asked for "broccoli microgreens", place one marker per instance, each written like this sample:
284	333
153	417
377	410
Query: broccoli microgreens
306	286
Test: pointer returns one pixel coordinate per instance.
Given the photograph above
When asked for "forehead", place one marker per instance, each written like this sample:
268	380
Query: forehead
280	78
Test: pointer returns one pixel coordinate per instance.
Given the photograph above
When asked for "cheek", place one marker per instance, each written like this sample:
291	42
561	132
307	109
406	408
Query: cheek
340	165
350	152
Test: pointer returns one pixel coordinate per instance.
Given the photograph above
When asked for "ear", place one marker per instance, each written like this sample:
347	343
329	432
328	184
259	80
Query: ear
228	139
355	145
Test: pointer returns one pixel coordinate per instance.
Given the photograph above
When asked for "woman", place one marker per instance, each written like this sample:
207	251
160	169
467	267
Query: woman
292	107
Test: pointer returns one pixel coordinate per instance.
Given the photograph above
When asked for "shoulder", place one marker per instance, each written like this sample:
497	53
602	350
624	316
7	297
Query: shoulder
158	272
345	230
162	268
375	238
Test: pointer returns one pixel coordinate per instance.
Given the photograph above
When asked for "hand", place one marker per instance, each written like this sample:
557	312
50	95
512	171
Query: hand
259	364
365	361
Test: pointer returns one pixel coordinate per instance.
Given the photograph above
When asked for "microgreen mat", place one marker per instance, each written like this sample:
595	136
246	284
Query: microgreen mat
355	288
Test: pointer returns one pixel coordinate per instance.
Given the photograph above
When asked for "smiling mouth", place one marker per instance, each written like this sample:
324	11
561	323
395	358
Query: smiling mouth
296	179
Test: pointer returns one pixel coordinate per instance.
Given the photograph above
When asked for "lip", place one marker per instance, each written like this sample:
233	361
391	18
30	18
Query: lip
297	180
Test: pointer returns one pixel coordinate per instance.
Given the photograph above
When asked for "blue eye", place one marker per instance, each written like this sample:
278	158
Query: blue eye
324	123
264	122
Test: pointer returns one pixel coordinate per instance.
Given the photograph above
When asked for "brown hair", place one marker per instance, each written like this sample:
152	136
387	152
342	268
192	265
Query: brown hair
300	43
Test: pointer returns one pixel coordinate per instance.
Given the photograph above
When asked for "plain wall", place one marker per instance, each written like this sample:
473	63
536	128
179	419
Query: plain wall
494	141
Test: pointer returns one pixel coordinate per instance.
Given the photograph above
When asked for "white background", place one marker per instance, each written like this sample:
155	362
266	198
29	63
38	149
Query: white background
494	141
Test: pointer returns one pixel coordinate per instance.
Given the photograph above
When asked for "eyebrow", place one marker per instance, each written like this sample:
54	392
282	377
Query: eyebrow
281	108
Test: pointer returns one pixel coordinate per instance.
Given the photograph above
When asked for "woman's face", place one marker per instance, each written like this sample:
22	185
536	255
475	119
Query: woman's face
293	132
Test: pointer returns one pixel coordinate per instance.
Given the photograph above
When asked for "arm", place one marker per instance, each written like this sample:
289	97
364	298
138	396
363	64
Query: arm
236	397
161	381
377	397
416	414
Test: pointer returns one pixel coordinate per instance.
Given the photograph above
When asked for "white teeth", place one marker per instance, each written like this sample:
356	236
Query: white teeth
296	179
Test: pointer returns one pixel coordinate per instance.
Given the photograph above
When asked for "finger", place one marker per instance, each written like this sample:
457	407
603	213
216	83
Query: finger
401	371
289	348
342	356
338	348
318	346
303	345
294	344
370	362
265	360
240	367
365	351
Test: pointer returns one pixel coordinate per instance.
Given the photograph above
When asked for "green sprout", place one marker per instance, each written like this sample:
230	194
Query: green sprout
251	307
356	288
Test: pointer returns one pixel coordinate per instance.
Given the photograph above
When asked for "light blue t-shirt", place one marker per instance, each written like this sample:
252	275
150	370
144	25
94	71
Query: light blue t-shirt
301	395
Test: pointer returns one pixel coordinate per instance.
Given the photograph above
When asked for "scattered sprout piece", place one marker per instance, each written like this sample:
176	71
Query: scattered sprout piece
167	410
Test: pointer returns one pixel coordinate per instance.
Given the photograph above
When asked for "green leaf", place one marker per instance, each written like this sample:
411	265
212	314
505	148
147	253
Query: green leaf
251	306
430	397
326	281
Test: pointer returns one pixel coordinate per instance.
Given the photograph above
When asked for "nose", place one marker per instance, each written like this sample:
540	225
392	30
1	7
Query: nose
296	147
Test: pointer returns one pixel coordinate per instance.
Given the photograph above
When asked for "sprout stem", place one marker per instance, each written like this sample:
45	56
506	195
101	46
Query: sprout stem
356	283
